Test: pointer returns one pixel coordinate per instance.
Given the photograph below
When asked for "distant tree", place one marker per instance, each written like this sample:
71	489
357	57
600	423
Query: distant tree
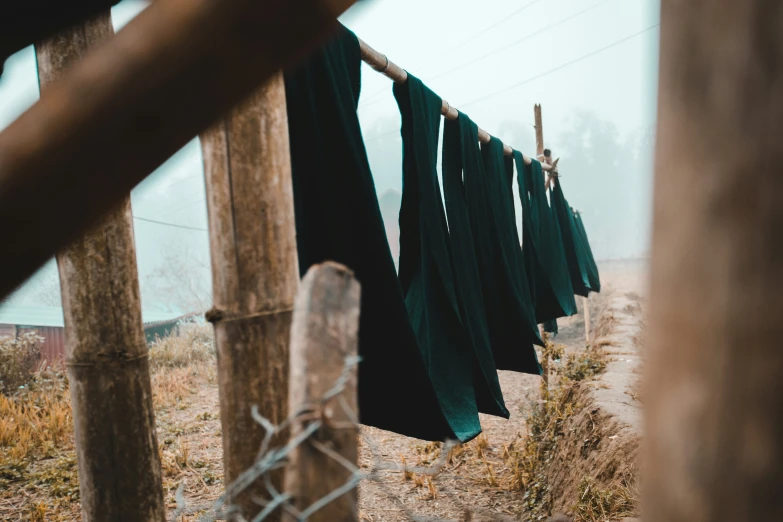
181	281
607	177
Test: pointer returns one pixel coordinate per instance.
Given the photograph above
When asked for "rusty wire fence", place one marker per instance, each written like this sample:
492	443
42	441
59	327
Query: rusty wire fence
272	459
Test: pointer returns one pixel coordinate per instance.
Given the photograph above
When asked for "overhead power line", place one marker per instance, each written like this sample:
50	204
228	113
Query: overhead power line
487	29
482	32
174	225
561	66
538	76
519	41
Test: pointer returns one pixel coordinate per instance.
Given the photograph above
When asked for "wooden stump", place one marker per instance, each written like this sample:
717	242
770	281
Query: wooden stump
324	339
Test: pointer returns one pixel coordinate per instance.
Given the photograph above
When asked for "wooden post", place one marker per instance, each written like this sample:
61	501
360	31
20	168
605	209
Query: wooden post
106	350
539	124
254	270
324	337
539	131
714	392
588	324
173	71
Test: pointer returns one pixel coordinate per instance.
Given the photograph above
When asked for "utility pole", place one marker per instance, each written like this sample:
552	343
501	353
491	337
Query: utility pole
105	347
255	274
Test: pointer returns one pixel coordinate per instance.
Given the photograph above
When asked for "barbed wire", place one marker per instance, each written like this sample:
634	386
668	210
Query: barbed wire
271	459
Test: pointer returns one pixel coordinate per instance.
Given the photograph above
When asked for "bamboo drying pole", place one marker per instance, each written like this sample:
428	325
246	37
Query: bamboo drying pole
539	124
324	339
255	273
105	349
129	105
714	382
382	64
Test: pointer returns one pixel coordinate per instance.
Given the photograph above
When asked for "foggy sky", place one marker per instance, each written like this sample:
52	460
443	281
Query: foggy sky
603	102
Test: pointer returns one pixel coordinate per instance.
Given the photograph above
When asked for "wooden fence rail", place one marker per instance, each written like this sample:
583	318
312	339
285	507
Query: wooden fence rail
130	104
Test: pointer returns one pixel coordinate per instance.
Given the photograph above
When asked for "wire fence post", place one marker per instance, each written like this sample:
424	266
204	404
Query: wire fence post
106	350
255	274
322	473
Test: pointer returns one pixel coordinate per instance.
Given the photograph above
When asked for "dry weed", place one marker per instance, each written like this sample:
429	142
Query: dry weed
600	505
192	345
19	357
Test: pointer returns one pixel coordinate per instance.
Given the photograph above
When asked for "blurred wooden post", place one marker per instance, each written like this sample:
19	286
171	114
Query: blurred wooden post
323	337
106	350
714	388
254	270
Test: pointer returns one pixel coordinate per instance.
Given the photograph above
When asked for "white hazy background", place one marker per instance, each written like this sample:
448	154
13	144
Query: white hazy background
592	64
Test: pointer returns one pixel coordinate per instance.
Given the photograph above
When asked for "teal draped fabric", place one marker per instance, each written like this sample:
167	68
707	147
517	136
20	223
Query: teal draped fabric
551	327
426	262
338	219
469	205
543	246
592	268
572	243
501	201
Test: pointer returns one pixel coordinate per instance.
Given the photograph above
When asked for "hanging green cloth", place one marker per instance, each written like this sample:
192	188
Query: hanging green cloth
426	265
572	243
501	199
469	205
546	261
443	264
592	267
338	219
551	327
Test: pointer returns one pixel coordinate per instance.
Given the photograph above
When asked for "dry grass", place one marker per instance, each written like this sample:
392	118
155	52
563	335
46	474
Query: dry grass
18	360
529	460
193	345
38	472
597	505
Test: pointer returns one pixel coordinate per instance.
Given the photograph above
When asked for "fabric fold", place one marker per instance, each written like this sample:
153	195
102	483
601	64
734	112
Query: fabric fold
468	197
572	243
592	268
338	218
426	272
543	246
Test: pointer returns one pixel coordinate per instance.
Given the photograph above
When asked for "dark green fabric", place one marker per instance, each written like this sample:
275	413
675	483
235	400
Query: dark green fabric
544	298
553	294
338	218
572	243
551	327
501	205
426	272
511	328
592	267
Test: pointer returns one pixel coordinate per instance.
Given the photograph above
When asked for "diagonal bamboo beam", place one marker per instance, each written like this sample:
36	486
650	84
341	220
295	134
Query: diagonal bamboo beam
131	104
381	63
